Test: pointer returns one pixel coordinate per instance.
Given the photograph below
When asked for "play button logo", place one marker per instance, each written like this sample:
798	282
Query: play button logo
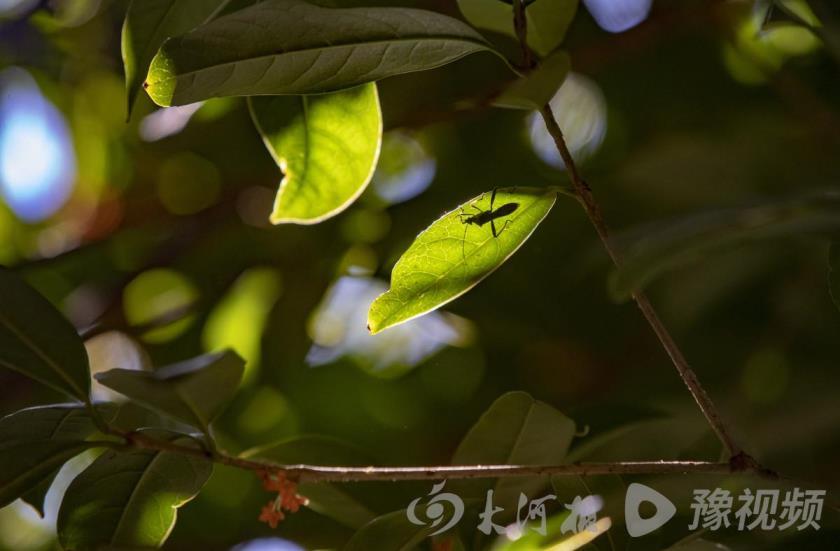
636	495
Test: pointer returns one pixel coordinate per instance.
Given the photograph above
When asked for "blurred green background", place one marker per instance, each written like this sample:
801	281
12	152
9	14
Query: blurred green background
690	110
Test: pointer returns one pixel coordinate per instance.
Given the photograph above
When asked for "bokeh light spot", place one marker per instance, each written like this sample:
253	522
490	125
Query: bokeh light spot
581	111
155	295
37	162
339	328
405	168
617	16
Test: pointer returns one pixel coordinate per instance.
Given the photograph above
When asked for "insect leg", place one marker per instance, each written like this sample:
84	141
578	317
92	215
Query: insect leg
507	222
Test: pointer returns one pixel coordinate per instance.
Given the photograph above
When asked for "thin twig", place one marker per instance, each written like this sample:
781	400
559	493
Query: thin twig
520	25
593	211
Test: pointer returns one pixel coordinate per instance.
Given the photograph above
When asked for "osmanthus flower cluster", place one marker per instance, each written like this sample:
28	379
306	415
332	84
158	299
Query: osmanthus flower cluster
287	497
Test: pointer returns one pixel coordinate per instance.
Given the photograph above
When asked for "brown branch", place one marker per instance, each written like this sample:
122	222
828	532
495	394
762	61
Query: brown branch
321	473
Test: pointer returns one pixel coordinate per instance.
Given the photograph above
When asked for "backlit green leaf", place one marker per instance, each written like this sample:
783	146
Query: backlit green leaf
548	20
535	89
515	430
129	499
326	145
194	391
148	23
451	256
38	342
36	442
292	47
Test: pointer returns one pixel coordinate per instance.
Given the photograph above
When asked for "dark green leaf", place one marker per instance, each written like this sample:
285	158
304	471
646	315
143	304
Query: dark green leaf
548	20
515	430
326	145
37	496
148	23
336	501
38	342
451	257
129	499
194	391
292	47
661	247
534	90
391	532
834	272
35	443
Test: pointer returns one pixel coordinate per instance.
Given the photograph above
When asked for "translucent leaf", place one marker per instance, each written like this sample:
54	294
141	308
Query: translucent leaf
548	20
148	23
537	88
326	145
194	391
455	253
38	342
292	47
515	430
129	499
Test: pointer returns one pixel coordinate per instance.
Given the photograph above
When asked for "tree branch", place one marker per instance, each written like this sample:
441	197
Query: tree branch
321	473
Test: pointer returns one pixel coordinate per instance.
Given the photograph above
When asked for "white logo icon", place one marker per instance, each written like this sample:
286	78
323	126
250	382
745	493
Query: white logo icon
435	510
638	526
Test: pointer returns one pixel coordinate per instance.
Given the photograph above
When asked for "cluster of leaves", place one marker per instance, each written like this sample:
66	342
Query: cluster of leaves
309	74
129	495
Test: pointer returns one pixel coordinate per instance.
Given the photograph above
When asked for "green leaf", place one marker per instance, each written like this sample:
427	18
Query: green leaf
129	499
834	272
515	430
292	47
35	443
661	247
194	391
390	532
337	501
148	23
548	20
326	145
37	496
450	257
38	342
535	89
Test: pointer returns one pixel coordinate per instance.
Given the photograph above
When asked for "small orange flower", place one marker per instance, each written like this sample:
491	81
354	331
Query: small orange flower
271	515
287	497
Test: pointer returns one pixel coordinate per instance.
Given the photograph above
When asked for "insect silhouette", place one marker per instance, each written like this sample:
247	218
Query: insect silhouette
483	217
